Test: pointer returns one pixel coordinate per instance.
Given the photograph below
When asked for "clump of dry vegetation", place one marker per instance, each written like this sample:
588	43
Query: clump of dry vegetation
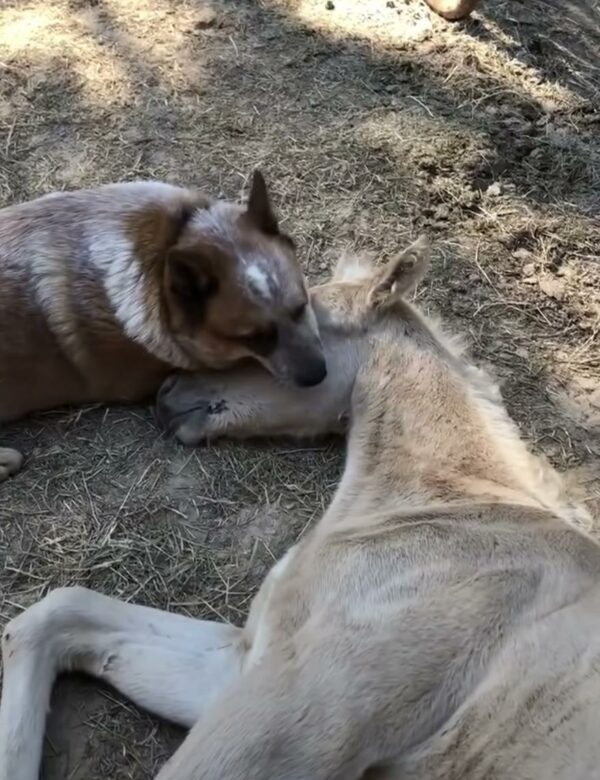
374	121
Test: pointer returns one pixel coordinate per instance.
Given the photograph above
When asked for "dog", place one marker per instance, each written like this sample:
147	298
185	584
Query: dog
104	292
440	622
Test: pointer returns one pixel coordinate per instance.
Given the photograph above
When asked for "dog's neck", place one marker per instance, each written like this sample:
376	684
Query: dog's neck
133	281
136	301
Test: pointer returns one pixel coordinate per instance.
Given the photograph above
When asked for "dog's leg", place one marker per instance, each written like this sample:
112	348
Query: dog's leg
169	664
10	462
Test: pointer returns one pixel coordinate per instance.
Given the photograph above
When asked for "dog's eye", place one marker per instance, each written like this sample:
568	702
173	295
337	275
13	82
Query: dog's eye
261	342
297	313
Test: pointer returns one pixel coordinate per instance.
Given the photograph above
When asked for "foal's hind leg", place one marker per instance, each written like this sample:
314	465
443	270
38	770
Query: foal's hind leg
279	721
169	664
10	462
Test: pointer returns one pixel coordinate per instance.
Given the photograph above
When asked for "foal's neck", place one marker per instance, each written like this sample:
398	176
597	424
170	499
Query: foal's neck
427	429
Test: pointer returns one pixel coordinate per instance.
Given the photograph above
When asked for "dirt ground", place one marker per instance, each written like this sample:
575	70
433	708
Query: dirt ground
374	121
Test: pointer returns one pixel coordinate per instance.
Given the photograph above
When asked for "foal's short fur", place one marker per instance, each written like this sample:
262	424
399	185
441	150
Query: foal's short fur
441	622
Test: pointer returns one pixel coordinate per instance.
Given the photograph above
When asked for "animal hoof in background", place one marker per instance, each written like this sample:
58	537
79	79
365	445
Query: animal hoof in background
452	10
10	462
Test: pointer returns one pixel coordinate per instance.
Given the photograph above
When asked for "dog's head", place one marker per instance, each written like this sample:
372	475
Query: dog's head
233	289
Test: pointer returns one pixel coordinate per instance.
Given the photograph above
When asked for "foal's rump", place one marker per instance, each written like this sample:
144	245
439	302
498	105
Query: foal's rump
534	714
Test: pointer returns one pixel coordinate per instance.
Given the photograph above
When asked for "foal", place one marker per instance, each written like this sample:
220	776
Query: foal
441	621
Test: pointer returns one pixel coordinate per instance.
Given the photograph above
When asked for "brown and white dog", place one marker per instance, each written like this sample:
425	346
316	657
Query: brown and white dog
104	292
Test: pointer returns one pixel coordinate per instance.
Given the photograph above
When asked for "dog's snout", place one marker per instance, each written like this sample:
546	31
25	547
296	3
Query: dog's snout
311	374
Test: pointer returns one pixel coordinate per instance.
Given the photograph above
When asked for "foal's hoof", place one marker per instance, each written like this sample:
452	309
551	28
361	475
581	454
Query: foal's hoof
191	407
10	462
452	10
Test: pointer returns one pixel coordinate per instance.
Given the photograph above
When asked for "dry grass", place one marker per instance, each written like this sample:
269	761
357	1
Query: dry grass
374	121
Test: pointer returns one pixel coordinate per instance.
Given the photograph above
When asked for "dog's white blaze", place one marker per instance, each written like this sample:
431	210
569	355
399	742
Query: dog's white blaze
259	280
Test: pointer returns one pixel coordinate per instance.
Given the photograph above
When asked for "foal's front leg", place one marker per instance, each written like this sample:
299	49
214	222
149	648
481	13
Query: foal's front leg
168	664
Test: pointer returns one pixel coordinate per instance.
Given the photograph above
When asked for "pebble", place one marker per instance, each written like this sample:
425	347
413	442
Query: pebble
553	288
529	269
494	190
207	19
522	254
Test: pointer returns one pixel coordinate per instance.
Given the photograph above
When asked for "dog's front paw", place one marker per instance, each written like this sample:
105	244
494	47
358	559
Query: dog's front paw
10	462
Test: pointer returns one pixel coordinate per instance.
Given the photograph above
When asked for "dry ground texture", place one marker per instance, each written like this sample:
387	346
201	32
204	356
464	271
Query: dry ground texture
374	121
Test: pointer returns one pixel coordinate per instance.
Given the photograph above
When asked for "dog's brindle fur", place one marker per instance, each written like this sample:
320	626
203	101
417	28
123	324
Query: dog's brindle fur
441	622
104	292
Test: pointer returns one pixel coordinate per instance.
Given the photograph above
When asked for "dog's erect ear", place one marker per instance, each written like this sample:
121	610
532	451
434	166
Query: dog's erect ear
402	274
259	206
189	282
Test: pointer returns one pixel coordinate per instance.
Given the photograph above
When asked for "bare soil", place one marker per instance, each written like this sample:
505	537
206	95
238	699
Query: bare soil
374	121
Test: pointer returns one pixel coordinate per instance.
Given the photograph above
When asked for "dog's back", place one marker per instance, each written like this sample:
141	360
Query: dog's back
65	268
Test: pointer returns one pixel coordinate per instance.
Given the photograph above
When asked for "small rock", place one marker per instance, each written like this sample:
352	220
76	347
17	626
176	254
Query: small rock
548	107
553	288
522	254
494	190
330	5
207	19
391	4
529	269
566	271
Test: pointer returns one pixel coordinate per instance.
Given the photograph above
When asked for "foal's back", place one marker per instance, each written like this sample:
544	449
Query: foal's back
505	600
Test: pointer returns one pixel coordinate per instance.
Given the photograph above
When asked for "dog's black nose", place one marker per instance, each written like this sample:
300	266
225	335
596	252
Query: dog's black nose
312	374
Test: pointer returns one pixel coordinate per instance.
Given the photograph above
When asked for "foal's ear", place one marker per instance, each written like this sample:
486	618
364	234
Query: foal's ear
402	274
